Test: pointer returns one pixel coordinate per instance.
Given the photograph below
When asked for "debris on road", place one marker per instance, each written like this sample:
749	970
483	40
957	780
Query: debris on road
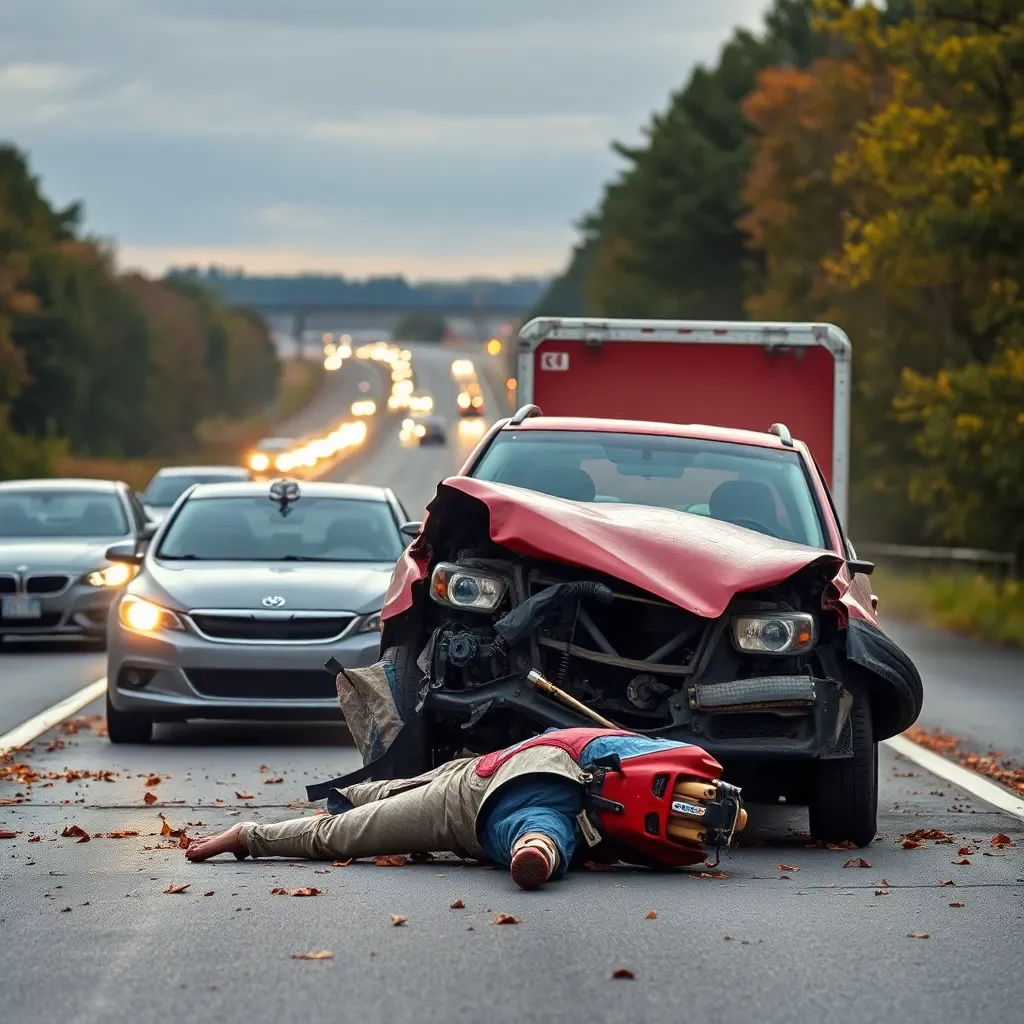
317	954
178	888
506	919
1002	840
789	868
993	765
76	831
457	905
397	920
918	935
305	891
391	861
857	862
650	915
625	973
150	798
153	780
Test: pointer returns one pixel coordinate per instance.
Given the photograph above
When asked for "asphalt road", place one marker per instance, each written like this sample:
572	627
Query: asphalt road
88	933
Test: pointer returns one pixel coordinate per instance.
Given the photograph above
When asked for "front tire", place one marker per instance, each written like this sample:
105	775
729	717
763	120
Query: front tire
127	727
844	795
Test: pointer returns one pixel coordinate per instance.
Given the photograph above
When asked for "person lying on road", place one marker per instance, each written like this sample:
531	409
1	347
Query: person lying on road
642	800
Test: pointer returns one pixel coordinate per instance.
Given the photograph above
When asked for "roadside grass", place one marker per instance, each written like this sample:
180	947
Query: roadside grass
972	604
219	440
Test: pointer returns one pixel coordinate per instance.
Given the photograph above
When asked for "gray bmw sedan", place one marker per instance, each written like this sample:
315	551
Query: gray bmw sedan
55	577
242	595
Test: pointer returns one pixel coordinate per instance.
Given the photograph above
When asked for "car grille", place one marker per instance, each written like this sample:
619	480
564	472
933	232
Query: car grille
8	585
263	684
45	584
279	629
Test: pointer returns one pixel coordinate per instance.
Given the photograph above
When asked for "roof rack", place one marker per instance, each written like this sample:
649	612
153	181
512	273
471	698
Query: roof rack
524	413
782	431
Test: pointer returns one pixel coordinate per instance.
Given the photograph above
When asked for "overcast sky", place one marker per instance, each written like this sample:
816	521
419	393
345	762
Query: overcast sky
435	138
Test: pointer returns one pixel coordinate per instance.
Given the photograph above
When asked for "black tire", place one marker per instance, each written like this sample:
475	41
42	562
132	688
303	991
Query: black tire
126	727
411	749
844	794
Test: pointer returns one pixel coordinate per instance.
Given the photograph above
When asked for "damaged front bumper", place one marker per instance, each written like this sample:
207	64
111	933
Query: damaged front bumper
781	717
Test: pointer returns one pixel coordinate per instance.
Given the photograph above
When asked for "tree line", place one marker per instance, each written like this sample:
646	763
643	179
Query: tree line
861	164
106	364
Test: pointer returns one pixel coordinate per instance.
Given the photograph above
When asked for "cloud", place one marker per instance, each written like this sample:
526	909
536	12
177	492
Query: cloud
378	130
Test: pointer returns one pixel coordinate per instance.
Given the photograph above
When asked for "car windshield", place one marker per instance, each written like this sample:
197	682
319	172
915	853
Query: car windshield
53	513
164	491
762	489
252	529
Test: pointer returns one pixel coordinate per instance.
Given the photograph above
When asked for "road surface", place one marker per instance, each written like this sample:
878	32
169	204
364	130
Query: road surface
788	934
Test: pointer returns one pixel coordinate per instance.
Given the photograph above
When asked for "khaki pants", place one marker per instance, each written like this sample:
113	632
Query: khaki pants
434	811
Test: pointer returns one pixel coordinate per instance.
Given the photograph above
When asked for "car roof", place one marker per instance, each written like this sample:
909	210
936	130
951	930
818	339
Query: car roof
313	489
61	484
240	471
700	431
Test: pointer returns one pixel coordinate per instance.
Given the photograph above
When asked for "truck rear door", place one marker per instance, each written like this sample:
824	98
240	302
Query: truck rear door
729	374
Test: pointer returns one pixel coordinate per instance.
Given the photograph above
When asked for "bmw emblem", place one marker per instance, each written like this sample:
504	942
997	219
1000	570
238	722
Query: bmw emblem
273	601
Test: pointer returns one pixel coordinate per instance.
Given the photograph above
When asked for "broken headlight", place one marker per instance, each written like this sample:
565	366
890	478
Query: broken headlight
784	633
468	589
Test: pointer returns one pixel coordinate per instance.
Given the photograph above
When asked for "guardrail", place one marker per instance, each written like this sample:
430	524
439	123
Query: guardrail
1001	563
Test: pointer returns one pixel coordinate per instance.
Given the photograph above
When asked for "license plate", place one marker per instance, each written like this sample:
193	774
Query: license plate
22	608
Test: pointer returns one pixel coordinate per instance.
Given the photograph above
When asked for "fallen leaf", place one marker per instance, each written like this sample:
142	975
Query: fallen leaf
305	891
76	830
857	862
956	904
392	861
623	972
912	844
183	841
317	954
1002	840
885	883
154	780
165	828
266	782
457	905
846	844
964	851
196	823
881	892
341	863
397	920
934	834
123	834
948	881
962	863
650	915
710	874
6	833
210	893
36	839
506	919
918	935
66	910
244	796
150	798
178	888
786	867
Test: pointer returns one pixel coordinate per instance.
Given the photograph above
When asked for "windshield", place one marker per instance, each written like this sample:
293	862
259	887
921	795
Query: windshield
252	529
52	513
164	491
762	489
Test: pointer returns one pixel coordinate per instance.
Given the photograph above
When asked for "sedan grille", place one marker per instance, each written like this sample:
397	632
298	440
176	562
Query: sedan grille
8	585
45	584
262	684
296	628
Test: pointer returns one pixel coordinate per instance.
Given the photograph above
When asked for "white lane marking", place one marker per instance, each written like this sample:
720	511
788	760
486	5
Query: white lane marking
974	783
28	731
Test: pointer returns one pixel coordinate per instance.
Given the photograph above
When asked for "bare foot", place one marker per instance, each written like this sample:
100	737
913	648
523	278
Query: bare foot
223	842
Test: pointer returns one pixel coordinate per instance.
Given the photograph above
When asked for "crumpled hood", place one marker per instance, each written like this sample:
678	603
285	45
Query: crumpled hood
692	561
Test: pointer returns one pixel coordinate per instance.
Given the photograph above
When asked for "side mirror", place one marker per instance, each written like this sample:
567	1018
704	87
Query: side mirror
411	529
124	552
148	531
858	565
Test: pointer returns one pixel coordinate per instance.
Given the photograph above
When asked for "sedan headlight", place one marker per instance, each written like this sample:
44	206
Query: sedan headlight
469	589
145	617
785	633
370	623
116	575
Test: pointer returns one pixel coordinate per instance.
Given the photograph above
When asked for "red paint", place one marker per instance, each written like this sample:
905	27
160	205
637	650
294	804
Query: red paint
572	741
718	384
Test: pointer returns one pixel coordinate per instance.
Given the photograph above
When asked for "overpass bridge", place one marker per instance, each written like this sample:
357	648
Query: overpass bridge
298	319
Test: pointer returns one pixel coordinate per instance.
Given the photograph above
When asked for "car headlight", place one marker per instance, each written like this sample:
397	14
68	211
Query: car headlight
370	623
259	462
784	633
116	575
145	617
469	589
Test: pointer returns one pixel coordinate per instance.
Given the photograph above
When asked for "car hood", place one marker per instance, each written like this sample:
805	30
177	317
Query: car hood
41	554
692	561
305	587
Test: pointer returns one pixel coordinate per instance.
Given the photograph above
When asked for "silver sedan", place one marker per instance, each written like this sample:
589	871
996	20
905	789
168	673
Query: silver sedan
242	596
55	578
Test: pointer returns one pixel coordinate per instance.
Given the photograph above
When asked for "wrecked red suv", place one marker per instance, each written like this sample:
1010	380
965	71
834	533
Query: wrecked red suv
687	582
